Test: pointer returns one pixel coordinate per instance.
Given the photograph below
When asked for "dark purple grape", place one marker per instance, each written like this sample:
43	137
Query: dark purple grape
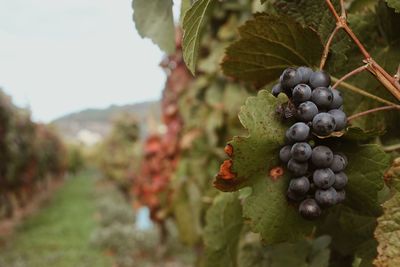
340	180
297	168
289	78
304	73
284	154
306	111
301	93
339	163
326	198
276	89
301	152
337	101
294	197
323	178
323	124
322	97
322	156
344	157
309	209
320	79
298	132
299	186
340	119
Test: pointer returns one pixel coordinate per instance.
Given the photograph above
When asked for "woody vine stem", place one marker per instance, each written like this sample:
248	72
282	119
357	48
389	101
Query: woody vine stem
391	83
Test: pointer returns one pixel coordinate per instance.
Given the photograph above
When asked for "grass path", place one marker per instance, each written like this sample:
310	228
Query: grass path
59	234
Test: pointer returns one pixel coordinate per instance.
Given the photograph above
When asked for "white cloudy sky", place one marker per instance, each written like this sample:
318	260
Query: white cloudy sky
59	56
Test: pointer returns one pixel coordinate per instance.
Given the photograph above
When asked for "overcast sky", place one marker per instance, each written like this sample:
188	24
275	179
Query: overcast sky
60	56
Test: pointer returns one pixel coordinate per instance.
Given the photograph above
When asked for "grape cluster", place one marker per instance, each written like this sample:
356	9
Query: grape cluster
318	177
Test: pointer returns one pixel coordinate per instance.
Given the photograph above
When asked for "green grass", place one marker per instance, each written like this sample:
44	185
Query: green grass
59	234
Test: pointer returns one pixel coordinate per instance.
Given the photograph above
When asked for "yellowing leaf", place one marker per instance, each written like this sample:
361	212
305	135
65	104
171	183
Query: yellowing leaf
388	234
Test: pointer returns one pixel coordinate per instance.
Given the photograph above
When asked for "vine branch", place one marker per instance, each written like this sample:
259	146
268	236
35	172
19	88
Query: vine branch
367	112
385	78
327	47
351	73
362	92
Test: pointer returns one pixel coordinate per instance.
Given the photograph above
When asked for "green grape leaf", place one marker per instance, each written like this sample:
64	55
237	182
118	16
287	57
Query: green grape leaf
311	13
153	19
395	4
361	5
367	164
388	233
193	22
388	21
271	215
186	205
316	15
351	232
223	226
267	46
358	134
305	253
266	136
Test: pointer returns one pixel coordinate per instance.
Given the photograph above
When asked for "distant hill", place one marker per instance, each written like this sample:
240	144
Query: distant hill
94	124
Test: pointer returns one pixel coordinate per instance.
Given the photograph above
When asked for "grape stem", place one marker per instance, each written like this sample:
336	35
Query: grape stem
367	112
391	83
362	92
351	73
327	47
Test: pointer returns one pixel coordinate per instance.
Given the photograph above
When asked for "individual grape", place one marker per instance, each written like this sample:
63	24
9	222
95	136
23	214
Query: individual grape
337	100
340	119
288	138
323	124
297	168
341	196
338	164
322	97
298	132
304	73
344	157
306	111
301	151
276	89
326	198
289	78
309	209
323	178
294	197
299	186
322	156
319	79
301	93
284	153
341	180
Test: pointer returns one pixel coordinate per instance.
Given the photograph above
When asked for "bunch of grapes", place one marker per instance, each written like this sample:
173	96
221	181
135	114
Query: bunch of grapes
318	178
